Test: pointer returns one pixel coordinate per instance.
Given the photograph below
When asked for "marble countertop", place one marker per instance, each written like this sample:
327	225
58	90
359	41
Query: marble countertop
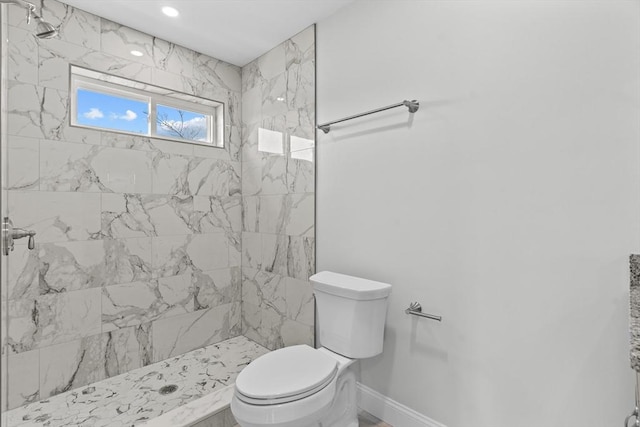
634	311
204	377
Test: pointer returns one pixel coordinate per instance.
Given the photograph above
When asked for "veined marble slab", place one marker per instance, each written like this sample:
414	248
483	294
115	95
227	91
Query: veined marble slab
204	377
634	311
195	411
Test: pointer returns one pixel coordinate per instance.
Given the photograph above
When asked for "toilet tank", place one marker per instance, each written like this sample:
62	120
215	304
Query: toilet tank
351	313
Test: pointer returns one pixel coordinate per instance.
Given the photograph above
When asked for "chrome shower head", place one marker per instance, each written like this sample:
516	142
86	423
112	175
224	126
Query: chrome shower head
44	30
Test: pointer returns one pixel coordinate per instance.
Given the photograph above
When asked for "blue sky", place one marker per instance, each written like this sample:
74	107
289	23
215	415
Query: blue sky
113	112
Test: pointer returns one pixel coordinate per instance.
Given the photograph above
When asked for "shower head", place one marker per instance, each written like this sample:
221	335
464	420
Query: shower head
44	30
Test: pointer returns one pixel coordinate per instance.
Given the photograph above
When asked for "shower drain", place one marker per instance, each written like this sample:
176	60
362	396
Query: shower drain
168	389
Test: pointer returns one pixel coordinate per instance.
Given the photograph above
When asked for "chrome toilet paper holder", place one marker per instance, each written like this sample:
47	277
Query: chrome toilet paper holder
416	309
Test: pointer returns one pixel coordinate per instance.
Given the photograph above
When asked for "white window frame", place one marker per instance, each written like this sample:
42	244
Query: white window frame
152	96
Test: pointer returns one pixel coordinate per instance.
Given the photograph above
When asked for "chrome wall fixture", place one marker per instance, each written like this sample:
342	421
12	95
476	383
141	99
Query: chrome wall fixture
636	412
413	106
416	309
44	30
11	233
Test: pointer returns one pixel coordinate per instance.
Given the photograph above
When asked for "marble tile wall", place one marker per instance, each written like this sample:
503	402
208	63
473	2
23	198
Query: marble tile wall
138	254
278	171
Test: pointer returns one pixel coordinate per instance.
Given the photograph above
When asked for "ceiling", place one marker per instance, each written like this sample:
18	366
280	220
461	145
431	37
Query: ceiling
236	31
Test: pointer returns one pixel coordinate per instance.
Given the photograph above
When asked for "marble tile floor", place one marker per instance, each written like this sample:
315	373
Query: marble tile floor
136	398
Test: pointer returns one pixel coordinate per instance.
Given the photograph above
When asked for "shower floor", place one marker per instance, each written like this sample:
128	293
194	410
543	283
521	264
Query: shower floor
204	380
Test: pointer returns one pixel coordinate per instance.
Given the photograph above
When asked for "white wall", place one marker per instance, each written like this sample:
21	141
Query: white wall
508	204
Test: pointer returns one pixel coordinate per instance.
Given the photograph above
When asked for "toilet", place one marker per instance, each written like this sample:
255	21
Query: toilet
300	386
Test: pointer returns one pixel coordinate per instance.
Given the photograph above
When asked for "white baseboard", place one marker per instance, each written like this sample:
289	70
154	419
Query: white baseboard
390	411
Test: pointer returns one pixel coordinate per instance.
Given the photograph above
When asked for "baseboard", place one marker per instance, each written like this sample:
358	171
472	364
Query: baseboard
390	411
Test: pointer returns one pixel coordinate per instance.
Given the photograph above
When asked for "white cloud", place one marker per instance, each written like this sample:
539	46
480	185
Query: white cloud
195	128
196	122
93	113
128	116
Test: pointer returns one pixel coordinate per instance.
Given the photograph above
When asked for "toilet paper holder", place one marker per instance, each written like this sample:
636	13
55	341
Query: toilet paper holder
416	309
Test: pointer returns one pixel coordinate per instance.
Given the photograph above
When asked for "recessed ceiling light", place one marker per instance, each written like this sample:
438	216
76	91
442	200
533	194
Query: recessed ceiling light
136	53
169	11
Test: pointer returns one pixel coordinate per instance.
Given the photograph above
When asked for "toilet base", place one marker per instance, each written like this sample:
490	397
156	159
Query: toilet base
343	411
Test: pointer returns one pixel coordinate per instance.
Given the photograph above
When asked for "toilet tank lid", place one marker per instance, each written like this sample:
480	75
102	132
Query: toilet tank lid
349	286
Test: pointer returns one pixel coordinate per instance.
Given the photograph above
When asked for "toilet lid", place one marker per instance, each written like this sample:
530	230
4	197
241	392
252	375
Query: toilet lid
286	373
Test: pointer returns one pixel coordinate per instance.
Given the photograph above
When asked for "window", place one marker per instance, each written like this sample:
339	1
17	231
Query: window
114	112
173	122
106	102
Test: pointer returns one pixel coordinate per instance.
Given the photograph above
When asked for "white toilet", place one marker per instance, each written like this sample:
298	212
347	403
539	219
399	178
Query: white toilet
300	386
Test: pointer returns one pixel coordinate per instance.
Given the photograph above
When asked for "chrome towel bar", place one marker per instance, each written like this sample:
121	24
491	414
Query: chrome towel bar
411	105
416	309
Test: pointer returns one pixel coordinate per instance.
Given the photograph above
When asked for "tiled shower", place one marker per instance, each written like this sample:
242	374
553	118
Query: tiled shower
146	248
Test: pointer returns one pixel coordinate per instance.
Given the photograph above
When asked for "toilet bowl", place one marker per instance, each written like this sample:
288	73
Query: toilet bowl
295	387
300	386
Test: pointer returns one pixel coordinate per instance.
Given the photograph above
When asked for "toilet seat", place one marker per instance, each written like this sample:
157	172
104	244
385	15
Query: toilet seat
285	375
